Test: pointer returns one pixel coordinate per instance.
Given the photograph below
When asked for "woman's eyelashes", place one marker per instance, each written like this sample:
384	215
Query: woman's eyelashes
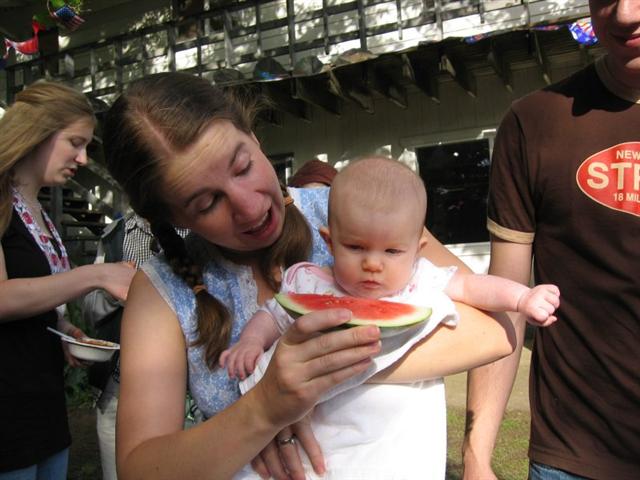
245	166
78	142
207	207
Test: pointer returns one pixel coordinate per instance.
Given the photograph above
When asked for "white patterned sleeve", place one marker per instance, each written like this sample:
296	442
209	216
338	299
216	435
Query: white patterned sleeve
282	319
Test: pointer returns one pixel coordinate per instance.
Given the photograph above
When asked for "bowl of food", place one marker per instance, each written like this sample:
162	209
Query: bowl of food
91	349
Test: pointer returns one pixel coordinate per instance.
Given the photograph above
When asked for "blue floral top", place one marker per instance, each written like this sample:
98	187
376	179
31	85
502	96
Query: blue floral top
234	286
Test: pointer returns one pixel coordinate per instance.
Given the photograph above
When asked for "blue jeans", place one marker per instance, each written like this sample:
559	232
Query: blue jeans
538	471
51	468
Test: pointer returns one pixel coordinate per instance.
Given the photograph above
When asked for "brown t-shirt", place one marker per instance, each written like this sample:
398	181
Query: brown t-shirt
566	177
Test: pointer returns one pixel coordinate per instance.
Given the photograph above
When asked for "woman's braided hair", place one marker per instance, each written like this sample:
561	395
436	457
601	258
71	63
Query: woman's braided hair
179	107
214	321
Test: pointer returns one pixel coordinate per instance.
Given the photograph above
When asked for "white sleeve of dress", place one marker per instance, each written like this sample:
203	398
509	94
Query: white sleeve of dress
427	289
280	316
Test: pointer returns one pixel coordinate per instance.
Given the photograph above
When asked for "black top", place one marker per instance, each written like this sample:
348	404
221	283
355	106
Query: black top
33	413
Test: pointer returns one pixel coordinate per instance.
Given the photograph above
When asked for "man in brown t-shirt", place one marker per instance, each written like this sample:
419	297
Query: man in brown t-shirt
565	191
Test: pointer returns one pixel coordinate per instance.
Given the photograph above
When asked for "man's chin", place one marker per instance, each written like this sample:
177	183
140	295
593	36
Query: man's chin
633	65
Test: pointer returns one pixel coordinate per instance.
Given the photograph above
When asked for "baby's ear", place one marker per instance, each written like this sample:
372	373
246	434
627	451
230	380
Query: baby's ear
326	236
423	240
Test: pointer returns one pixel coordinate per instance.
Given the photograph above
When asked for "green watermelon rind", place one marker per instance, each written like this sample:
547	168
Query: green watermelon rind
420	314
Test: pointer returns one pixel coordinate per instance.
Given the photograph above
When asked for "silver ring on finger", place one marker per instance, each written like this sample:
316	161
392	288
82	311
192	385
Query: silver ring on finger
287	441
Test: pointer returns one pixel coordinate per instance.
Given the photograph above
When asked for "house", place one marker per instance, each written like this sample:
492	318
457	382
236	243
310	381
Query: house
426	81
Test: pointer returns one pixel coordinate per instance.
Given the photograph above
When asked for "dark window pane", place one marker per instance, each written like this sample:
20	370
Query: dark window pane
457	180
282	162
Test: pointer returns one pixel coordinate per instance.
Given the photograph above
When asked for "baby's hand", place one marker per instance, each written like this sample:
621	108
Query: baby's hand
539	303
241	358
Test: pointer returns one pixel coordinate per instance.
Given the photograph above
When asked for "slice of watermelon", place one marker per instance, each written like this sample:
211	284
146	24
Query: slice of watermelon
364	311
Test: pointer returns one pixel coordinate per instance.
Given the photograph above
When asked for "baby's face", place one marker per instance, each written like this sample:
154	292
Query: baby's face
374	254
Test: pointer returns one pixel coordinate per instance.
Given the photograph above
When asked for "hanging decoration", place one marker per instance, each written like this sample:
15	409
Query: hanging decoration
547	28
44	19
61	12
582	32
476	38
27	47
481	36
65	14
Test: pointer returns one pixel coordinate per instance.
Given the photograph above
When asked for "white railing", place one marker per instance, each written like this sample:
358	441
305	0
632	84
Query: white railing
238	35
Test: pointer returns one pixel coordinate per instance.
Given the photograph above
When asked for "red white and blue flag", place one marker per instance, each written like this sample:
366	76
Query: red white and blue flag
27	47
67	17
582	32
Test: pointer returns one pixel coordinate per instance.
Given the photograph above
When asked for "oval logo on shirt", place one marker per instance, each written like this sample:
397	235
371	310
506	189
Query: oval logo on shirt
611	177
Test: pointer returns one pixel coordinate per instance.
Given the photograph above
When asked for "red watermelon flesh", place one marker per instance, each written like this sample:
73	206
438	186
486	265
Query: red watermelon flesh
364	311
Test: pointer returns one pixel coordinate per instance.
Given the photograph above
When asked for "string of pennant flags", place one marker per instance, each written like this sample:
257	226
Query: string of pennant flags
581	31
61	13
58	13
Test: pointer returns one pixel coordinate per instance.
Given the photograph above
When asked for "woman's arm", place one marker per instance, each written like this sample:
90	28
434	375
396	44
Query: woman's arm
477	340
150	439
439	255
26	297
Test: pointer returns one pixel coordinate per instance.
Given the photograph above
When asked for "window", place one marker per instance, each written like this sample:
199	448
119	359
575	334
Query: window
283	164
457	180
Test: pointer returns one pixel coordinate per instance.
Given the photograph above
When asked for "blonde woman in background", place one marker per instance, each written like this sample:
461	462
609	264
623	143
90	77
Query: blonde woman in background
43	141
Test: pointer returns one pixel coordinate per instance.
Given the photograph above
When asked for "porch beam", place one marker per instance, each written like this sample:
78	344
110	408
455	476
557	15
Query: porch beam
343	87
278	93
539	55
423	72
384	85
315	92
500	66
458	71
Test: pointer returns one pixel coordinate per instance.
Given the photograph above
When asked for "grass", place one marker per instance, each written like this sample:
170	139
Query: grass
510	457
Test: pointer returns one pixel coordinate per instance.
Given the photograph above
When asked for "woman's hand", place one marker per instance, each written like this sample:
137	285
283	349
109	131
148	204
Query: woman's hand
70	329
117	278
308	361
281	459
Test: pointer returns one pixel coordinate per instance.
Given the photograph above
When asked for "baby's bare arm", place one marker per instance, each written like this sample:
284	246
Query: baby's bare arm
487	292
499	294
262	328
257	336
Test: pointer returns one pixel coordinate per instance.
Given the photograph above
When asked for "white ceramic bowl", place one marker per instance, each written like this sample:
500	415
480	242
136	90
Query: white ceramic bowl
91	349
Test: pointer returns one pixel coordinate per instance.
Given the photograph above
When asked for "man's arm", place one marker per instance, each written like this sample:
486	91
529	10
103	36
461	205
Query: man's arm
489	387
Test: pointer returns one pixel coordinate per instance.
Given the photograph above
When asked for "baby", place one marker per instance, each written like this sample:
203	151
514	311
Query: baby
377	210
